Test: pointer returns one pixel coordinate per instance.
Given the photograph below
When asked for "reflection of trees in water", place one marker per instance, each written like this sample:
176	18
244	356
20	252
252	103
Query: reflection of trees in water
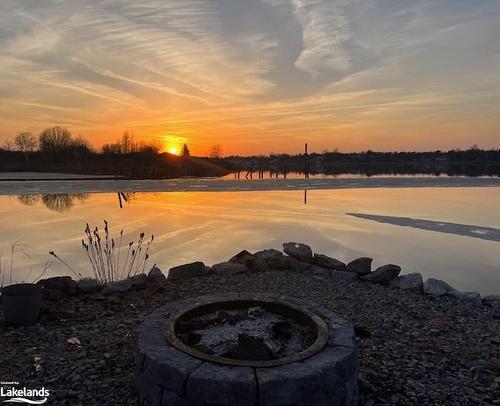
56	202
29	200
63	202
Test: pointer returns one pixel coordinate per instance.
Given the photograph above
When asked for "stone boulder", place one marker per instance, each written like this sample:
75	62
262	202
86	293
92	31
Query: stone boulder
383	274
362	266
250	348
229	268
186	271
258	265
118	287
136	282
273	258
466	297
411	281
293	264
330	263
319	270
299	251
251	261
242	257
61	284
89	285
156	276
436	287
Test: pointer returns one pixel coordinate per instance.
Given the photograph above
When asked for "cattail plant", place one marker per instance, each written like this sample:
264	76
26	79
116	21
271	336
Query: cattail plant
106	258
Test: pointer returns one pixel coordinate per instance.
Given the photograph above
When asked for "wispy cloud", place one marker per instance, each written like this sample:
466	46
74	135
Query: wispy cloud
256	75
325	33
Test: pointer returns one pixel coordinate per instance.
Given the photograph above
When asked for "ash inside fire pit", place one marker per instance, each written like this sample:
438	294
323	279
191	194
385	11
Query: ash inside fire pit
247	332
252	333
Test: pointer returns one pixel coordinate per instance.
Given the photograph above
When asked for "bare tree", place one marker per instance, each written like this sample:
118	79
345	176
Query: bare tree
113	148
8	145
25	142
185	151
54	140
127	144
215	151
152	147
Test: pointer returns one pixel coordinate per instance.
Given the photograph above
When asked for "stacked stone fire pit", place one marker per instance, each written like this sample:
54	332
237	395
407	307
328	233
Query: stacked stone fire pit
245	349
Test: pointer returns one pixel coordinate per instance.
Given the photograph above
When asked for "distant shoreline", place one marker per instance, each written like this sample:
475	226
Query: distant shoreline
52	176
99	185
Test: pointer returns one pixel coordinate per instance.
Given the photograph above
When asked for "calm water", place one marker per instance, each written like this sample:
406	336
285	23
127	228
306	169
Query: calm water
213	226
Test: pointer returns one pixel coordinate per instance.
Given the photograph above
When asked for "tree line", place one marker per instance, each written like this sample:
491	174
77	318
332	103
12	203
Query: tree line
59	141
55	149
473	161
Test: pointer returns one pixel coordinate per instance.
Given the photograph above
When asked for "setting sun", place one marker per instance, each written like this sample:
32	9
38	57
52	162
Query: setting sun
173	150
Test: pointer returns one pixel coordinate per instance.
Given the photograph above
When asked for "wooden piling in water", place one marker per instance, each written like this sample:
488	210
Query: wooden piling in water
306	162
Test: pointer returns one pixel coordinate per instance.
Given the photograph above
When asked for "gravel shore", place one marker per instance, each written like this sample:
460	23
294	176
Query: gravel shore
413	349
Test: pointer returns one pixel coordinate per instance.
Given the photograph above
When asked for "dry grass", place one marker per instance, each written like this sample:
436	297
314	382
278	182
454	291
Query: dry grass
106	255
7	266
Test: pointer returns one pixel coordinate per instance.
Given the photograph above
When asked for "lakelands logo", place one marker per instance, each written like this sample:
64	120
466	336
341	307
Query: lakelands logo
23	395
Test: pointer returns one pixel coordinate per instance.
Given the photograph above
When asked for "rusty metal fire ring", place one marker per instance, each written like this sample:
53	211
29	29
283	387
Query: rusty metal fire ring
298	313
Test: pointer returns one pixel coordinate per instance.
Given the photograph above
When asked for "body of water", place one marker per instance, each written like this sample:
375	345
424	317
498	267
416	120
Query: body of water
443	232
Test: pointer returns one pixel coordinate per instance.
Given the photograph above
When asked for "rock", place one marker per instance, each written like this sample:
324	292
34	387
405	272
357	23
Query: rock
436	287
118	287
186	271
258	265
268	254
62	284
383	274
319	270
411	281
138	281
299	251
344	275
273	258
242	257
135	282
250	348
295	265
362	266
229	268
250	261
330	263
467	297
89	285
156	276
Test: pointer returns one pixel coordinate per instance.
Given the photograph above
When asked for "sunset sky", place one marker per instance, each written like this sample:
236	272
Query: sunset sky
256	76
